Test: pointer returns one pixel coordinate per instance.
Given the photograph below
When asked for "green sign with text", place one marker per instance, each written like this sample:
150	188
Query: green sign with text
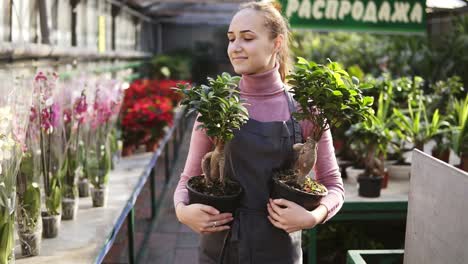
367	16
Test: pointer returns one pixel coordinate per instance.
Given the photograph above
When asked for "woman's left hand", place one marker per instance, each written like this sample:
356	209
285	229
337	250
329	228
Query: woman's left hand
292	217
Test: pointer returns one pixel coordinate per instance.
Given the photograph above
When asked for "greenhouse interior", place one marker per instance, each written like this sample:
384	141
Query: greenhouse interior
230	131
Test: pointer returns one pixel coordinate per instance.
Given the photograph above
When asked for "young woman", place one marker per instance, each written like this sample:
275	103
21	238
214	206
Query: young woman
263	230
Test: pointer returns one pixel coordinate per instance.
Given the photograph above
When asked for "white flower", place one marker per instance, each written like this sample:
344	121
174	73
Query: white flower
49	102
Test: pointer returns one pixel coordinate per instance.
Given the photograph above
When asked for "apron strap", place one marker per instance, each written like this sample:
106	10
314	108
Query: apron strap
297	135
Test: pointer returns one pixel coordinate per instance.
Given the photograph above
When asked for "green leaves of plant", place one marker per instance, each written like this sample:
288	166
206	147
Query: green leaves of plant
219	105
7	224
328	96
54	201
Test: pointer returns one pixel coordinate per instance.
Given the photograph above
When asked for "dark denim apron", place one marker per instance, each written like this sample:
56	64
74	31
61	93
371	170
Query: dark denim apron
256	150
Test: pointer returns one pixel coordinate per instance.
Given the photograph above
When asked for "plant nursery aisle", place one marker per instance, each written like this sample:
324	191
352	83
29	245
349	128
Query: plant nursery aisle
169	241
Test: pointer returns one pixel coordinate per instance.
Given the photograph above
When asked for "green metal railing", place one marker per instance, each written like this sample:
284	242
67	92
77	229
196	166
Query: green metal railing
167	154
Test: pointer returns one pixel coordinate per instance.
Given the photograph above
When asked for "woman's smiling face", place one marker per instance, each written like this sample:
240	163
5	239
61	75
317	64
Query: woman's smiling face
250	49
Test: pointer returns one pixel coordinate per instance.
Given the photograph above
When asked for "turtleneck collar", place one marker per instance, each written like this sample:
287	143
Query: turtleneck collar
262	84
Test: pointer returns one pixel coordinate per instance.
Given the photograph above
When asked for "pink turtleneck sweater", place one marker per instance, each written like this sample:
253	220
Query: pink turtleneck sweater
267	102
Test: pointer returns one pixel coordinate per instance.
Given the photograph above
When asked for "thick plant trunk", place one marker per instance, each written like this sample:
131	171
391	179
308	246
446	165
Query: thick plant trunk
374	164
213	163
306	157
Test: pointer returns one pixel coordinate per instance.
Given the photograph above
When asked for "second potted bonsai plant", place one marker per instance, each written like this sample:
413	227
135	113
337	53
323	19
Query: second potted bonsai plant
220	113
327	97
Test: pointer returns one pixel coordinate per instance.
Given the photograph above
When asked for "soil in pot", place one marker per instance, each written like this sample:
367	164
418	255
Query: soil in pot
308	195
50	225
224	198
369	186
69	208
83	188
99	196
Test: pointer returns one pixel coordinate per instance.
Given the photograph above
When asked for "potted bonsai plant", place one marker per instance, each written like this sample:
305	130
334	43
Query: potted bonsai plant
376	135
220	113
327	97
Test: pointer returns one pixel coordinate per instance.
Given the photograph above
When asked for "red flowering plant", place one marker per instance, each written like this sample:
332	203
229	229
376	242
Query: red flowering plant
148	109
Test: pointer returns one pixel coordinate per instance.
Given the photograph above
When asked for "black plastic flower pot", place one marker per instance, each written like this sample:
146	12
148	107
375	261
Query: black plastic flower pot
224	204
50	225
369	186
309	201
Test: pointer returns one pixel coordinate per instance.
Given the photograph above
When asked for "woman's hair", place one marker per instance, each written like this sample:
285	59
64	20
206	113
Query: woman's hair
277	25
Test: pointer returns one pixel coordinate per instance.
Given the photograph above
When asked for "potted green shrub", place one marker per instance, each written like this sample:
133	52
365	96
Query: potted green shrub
327	97
444	92
415	125
459	138
220	113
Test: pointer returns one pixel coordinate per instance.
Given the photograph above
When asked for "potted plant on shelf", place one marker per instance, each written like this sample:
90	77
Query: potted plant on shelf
376	135
459	139
327	97
83	179
106	105
14	106
444	93
48	115
29	196
414	124
402	90
73	116
10	154
220	113
147	110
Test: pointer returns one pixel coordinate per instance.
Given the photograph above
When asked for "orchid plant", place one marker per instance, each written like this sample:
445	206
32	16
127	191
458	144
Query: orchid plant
47	112
13	120
103	116
74	116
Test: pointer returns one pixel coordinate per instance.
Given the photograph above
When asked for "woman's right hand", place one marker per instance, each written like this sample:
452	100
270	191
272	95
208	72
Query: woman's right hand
203	219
